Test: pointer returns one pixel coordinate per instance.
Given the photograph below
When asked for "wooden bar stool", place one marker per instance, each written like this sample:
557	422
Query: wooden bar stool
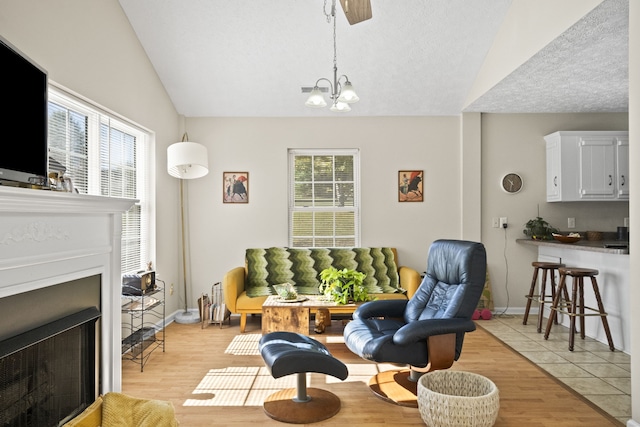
548	269
577	308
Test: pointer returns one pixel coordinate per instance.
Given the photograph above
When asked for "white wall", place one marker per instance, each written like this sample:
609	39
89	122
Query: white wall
220	233
514	143
90	48
510	143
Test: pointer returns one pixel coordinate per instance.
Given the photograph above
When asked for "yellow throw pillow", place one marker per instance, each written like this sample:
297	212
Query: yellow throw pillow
122	410
90	417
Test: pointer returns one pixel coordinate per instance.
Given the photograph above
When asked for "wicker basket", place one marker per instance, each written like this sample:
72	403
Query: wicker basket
456	398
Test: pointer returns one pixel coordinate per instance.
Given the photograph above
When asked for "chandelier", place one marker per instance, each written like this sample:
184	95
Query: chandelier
342	94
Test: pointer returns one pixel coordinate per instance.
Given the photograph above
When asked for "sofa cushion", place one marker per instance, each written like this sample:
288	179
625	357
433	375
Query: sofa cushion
301	267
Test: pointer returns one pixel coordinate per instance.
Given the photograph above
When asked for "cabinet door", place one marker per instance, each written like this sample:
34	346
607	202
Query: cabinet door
597	168
622	167
553	170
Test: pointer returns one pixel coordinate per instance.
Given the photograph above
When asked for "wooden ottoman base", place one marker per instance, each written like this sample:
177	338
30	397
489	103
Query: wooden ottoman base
322	405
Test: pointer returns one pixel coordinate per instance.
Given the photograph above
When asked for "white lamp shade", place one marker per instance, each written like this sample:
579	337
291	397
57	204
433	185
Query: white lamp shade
348	95
340	107
316	100
187	160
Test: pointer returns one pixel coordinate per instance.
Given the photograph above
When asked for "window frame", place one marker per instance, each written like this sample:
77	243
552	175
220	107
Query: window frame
356	208
98	116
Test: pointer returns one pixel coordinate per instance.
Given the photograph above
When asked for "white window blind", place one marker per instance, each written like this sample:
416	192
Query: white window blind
104	155
324	198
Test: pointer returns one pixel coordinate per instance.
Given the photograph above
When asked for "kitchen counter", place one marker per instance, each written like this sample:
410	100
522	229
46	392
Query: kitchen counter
582	245
613	280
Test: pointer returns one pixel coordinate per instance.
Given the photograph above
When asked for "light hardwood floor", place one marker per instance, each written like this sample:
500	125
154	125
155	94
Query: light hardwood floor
209	387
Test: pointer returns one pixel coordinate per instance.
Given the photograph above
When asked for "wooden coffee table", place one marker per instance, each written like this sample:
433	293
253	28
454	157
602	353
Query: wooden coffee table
279	315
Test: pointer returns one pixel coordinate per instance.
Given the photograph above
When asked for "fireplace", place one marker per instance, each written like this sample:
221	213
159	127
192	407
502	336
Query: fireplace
48	375
49	241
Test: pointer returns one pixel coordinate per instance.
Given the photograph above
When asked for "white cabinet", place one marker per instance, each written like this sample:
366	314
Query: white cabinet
587	166
622	167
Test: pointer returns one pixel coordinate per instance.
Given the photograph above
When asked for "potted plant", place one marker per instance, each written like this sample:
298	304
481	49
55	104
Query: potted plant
343	286
539	229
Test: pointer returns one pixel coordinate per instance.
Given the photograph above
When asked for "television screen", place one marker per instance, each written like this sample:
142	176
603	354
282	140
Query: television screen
23	118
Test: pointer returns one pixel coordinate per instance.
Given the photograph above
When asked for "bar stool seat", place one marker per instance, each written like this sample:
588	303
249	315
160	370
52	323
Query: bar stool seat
548	270
576	308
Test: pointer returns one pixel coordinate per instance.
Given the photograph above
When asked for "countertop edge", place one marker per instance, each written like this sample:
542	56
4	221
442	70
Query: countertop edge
590	246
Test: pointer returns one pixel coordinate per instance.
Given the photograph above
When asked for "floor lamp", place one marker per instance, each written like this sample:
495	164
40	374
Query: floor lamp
186	160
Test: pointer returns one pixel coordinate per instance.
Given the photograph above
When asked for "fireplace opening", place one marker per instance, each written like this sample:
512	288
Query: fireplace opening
48	375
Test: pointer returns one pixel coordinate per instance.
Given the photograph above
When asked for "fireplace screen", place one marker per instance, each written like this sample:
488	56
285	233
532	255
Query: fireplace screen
48	374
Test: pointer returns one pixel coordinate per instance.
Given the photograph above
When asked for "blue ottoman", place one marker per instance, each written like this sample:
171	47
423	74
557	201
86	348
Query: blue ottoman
287	353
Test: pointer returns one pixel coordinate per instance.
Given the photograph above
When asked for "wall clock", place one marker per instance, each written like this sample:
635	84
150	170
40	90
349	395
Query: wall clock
511	183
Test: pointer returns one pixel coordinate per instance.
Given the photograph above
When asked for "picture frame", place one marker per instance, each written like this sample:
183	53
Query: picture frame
410	186
235	187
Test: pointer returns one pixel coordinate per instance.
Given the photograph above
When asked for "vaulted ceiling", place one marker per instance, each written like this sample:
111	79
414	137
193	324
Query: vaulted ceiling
248	58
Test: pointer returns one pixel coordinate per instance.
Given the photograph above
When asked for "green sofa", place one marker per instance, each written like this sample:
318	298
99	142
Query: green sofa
246	288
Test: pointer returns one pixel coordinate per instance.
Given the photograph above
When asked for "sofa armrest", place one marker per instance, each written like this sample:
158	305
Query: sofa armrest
410	280
233	286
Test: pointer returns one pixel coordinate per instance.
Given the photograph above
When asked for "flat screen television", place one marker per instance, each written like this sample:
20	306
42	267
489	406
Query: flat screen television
23	119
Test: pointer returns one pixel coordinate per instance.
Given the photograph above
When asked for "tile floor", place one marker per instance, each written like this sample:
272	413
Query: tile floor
591	369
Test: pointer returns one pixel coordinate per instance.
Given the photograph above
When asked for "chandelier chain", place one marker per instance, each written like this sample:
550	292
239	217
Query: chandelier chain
335	45
331	13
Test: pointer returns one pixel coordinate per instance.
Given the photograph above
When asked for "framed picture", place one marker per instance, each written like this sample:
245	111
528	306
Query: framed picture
410	186
235	187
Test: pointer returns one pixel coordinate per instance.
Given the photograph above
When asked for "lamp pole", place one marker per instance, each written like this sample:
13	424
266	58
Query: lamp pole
186	316
186	160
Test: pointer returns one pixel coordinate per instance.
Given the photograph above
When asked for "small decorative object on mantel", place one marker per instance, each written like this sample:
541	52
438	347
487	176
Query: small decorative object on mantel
539	229
235	187
343	286
410	184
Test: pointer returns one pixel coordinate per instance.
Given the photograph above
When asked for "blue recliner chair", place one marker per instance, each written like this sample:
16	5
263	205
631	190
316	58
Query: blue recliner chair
427	331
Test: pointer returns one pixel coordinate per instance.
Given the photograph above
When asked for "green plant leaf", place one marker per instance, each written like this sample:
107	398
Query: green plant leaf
343	286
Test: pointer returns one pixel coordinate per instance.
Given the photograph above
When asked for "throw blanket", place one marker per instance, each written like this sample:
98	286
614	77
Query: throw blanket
302	267
121	410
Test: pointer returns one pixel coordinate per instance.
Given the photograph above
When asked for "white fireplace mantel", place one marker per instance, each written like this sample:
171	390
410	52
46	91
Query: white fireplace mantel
48	238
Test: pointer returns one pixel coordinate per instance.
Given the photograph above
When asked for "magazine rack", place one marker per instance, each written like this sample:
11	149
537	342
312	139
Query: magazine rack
212	308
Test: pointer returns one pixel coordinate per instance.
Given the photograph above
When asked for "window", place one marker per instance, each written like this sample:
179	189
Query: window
324	198
108	156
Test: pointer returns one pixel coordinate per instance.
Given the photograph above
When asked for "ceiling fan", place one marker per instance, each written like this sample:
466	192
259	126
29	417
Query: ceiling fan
356	10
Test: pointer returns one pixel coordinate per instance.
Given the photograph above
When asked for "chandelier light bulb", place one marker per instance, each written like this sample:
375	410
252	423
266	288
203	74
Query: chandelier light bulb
316	100
348	94
340	107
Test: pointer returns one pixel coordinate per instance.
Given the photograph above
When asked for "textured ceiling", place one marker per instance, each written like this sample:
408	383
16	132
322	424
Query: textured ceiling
586	69
248	58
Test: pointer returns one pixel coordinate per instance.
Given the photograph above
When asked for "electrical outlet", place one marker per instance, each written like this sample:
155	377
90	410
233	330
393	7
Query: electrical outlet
571	223
171	289
626	222
503	222
495	223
